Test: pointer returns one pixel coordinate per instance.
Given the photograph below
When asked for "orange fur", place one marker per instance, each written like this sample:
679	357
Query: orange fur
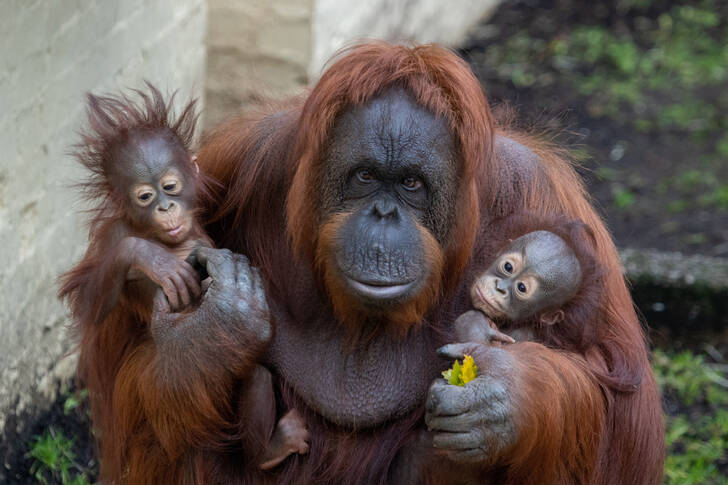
583	417
355	314
440	82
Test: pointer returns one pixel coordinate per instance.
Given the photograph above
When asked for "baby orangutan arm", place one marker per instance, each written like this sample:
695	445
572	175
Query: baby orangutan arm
474	326
177	278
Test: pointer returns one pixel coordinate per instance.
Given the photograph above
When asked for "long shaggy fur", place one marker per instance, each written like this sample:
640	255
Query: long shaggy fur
118	362
583	417
440	82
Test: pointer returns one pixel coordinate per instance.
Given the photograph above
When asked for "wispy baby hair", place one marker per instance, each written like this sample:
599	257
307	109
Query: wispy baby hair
112	119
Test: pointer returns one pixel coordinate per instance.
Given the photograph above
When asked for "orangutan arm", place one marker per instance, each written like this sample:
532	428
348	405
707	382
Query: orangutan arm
529	409
201	359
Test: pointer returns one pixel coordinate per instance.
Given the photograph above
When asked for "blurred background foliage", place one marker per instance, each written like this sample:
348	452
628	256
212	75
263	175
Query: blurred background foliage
642	84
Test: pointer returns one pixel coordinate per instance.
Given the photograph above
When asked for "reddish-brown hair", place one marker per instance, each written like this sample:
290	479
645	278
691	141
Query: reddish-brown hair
439	81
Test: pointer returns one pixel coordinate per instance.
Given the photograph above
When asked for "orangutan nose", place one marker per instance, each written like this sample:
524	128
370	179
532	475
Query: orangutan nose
496	284
166	205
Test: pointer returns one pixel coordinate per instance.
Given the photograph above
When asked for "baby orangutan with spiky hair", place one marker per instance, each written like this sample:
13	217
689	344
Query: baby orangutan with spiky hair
144	235
543	286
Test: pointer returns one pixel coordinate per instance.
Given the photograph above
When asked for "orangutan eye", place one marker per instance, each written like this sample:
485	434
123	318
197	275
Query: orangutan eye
364	176
144	197
411	183
521	287
508	267
171	184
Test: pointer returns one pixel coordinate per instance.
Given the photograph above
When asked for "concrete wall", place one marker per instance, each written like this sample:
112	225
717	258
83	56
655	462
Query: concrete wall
338	22
256	49
274	48
51	52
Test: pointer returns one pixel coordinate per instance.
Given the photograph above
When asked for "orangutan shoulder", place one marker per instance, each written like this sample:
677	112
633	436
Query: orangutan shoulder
516	158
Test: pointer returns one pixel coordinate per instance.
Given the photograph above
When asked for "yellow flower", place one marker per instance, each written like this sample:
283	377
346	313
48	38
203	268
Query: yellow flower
460	375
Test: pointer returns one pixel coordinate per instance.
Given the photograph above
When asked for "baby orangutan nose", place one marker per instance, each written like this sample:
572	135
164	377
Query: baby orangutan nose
497	285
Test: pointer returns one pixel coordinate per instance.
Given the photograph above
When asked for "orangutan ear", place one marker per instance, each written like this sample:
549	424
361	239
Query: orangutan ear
551	317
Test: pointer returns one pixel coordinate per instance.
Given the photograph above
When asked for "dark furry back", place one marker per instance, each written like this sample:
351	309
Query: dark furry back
111	120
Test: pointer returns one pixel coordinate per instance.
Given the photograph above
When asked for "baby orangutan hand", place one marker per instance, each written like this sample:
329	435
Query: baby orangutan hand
474	326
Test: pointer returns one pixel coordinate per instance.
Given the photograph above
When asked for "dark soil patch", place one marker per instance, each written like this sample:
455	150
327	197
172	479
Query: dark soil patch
15	447
641	84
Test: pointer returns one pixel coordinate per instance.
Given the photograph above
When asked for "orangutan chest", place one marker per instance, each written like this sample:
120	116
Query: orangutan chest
356	386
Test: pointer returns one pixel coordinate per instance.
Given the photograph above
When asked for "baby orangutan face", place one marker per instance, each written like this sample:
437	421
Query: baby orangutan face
536	272
160	196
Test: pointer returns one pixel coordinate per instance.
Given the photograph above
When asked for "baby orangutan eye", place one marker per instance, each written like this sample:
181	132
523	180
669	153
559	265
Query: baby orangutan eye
507	267
171	184
521	287
145	197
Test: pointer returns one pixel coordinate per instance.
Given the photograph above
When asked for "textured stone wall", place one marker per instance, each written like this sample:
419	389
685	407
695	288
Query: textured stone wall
339	22
256	49
51	52
273	48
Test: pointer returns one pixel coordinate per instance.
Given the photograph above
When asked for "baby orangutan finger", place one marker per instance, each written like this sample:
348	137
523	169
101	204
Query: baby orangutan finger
459	350
182	292
497	336
161	303
189	275
170	291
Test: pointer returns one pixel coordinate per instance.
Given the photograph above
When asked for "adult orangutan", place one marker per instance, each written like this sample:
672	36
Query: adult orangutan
350	218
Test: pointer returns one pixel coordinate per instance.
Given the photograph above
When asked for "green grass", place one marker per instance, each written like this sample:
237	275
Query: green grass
697	434
54	460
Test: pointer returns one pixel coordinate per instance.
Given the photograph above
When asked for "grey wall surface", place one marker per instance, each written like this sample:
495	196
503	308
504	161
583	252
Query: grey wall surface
51	52
275	48
339	22
256	49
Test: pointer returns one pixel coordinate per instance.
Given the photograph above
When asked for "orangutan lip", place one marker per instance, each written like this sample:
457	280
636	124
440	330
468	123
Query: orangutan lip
487	302
380	291
175	230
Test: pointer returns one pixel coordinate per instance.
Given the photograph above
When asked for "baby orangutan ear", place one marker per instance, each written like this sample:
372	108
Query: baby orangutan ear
551	317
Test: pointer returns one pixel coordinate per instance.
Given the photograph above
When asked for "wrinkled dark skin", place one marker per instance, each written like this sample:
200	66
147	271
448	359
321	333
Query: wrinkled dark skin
387	165
537	271
374	152
475	422
159	198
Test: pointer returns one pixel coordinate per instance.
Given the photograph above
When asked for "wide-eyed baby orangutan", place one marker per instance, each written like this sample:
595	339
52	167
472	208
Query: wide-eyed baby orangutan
529	286
146	182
